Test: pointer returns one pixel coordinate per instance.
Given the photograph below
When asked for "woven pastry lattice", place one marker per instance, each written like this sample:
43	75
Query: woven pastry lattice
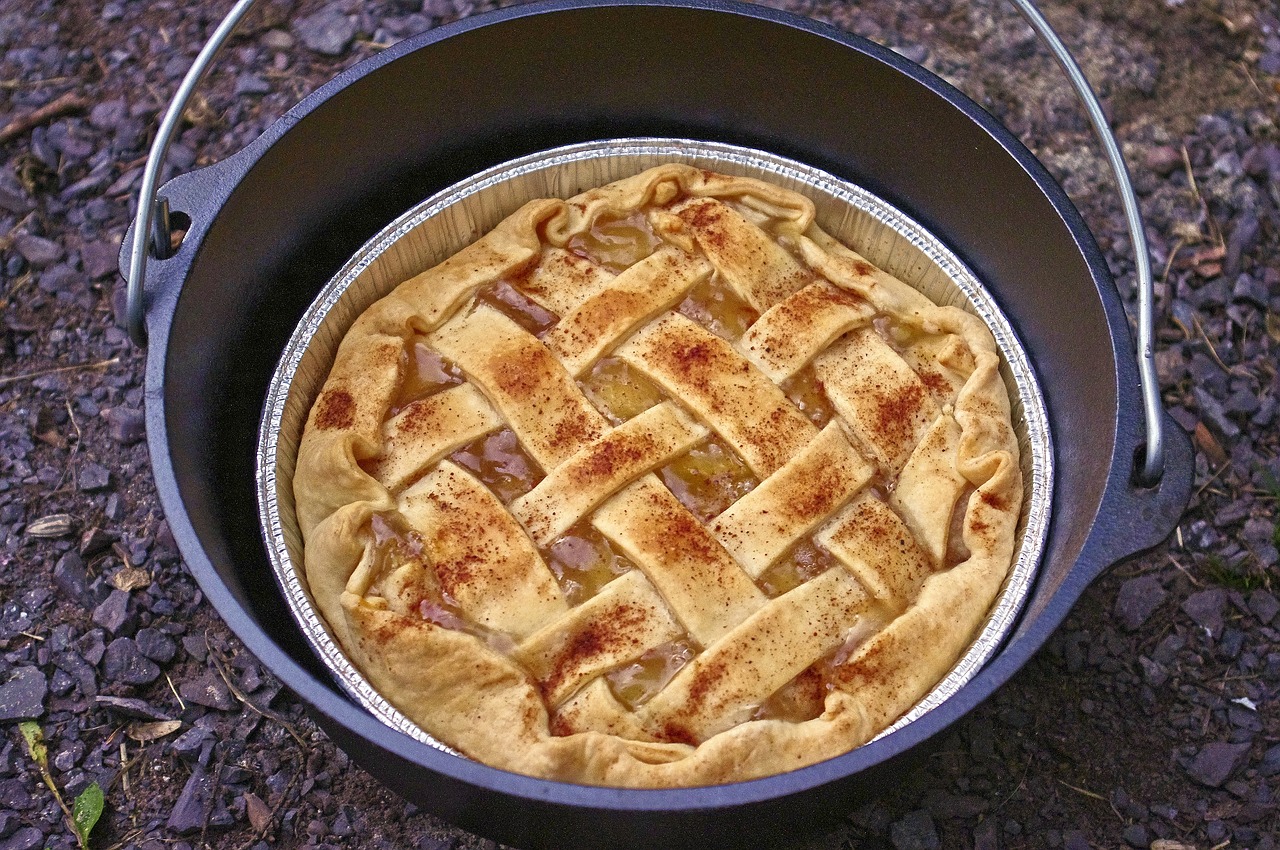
657	486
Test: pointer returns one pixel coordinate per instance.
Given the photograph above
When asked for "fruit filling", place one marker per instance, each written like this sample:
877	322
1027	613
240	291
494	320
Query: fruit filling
619	391
583	561
636	683
708	478
714	305
805	561
505	298
423	373
616	243
500	462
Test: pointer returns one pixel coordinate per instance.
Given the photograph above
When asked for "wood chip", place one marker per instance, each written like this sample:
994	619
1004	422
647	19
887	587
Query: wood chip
144	732
130	578
259	813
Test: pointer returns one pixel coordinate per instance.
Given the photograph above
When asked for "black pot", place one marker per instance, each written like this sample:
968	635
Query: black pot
270	225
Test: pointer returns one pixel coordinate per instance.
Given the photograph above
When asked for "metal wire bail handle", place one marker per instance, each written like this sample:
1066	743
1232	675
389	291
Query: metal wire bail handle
153	214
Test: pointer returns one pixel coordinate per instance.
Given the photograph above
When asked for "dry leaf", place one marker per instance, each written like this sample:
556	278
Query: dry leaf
1209	445
1170	844
258	812
151	731
130	578
1273	326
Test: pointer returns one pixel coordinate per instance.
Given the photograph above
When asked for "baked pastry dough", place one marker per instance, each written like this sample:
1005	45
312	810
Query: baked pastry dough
658	486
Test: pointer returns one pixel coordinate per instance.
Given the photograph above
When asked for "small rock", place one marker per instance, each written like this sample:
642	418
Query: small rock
93	477
251	84
328	31
59	278
1153	673
133	708
1215	762
277	40
1135	835
915	832
209	690
156	645
99	259
122	662
37	250
70	577
191	810
23	695
1264	606
27	838
1164	160
1270	764
1205	608
95	540
108	114
113	613
190	742
1137	600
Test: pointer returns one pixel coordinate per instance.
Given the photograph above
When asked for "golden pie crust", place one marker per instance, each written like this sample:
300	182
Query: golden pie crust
794	479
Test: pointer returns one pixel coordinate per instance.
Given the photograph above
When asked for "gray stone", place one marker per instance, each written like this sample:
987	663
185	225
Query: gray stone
328	31
37	250
209	690
156	645
113	613
251	84
915	832
27	838
126	425
22	696
59	278
132	707
1135	835
1270	764
93	477
1214	416
99	259
1215	763
122	662
1137	600
1153	673
70	576
191	810
1205	608
277	40
1264	606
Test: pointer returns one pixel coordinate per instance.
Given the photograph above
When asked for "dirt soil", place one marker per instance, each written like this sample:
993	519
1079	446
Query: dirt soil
1150	720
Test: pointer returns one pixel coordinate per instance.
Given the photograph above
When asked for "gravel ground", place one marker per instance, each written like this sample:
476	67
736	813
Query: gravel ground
1149	721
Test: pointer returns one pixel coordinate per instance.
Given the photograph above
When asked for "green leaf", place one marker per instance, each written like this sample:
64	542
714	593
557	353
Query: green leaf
86	811
35	743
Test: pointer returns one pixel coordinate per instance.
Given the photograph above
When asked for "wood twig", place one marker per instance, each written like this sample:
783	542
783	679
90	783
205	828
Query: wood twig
69	102
101	364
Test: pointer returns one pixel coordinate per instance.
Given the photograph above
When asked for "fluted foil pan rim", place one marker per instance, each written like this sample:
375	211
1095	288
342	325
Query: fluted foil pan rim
842	208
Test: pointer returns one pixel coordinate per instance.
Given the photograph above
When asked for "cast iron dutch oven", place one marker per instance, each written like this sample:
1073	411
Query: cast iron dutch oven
269	226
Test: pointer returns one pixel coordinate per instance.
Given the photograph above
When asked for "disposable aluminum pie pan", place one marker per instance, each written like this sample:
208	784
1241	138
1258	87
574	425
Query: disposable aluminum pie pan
443	224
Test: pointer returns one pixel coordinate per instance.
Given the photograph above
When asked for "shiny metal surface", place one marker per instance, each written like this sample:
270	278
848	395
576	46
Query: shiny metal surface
443	224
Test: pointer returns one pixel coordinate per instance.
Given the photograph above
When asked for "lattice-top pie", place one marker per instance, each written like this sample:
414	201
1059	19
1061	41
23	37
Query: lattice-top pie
658	486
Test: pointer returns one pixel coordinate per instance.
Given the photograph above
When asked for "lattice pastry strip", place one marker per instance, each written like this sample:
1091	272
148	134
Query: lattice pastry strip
783	630
722	388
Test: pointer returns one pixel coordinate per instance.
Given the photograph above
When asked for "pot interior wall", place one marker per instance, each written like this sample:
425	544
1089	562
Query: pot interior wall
430	112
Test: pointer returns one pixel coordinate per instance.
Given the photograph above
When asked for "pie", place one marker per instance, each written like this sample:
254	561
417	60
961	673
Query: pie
658	486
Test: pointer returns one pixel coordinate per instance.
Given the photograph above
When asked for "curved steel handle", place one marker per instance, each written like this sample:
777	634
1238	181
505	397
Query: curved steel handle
153	210
1152	467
